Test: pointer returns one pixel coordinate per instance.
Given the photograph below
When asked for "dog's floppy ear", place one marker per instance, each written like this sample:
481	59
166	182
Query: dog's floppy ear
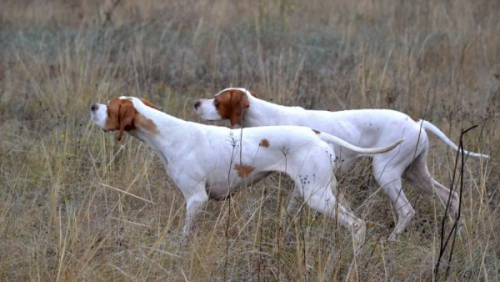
149	104
126	116
239	104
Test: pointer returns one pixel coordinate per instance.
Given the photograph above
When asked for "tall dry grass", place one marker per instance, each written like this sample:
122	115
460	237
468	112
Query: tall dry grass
76	206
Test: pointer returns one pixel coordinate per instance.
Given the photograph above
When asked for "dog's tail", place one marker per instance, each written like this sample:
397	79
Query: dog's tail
368	151
432	128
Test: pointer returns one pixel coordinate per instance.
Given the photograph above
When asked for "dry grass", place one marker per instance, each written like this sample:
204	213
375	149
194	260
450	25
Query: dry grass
76	206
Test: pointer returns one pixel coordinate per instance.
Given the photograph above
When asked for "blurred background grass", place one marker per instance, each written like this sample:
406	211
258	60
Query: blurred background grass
60	220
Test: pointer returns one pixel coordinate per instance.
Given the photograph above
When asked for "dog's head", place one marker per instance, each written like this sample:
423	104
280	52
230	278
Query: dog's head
120	114
230	103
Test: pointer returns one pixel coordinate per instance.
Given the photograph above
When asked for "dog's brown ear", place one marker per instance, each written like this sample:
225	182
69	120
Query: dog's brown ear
126	115
239	104
149	104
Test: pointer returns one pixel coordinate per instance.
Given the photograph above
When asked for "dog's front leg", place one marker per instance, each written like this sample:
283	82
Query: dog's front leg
195	199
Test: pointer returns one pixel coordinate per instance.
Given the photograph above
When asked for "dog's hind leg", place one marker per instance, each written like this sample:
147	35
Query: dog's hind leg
417	174
320	198
390	181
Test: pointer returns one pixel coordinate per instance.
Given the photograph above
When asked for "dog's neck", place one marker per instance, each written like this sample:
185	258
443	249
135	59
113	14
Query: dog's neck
170	131
263	113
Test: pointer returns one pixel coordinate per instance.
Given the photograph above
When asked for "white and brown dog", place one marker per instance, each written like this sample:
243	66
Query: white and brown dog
367	128
208	161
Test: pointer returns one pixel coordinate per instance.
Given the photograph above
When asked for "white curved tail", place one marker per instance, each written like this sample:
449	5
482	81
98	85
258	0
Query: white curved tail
432	128
369	151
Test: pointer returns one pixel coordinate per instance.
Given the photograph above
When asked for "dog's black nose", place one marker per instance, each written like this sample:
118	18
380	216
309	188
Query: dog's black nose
94	107
196	104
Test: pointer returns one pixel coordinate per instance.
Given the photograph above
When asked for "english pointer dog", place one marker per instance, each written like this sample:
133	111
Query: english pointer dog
208	161
368	128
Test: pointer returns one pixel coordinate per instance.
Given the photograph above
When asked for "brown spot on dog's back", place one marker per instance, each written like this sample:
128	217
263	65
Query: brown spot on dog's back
415	119
316	131
244	170
264	143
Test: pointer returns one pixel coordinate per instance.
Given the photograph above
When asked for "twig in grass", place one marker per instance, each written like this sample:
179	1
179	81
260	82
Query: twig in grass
303	239
127	193
121	271
259	226
226	262
453	232
234	143
279	216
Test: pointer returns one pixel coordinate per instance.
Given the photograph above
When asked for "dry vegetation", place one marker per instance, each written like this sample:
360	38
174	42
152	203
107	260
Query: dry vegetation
62	216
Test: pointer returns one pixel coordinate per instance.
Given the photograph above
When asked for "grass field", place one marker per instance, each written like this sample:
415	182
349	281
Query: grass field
77	206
